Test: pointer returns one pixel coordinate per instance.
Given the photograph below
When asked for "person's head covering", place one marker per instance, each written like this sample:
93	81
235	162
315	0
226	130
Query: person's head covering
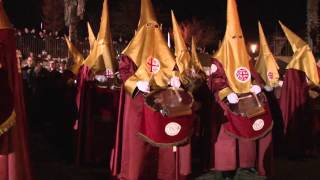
302	58
4	20
183	58
76	56
102	56
233	54
149	51
194	56
266	64
91	36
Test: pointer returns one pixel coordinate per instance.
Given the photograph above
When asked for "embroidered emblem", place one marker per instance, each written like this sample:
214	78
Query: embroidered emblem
270	75
242	74
258	125
172	129
153	65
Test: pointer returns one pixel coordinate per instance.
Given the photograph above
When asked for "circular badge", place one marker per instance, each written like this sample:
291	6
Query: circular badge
172	129
242	74
153	64
270	75
258	125
109	73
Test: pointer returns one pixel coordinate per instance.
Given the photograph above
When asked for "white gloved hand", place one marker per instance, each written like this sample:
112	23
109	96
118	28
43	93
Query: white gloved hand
255	89
143	86
175	82
268	88
280	83
213	69
233	98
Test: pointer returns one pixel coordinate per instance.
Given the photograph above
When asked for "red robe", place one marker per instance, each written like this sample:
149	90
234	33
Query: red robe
230	152
133	158
14	156
296	113
97	115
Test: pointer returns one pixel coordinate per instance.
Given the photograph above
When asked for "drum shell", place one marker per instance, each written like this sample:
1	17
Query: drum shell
154	128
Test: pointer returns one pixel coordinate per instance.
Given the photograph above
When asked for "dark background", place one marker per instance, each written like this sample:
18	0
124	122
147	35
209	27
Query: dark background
27	13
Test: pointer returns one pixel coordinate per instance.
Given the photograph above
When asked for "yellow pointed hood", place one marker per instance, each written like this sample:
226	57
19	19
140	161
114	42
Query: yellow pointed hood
76	56
302	58
147	49
233	54
194	56
182	54
295	41
266	64
102	55
91	36
4	20
146	14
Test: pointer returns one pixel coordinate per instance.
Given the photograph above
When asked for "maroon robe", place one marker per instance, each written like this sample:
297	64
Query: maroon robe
97	115
230	152
14	155
133	158
296	113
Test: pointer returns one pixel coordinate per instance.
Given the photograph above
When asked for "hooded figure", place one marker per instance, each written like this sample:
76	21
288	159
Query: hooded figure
92	100
267	67
14	156
146	63
301	74
231	81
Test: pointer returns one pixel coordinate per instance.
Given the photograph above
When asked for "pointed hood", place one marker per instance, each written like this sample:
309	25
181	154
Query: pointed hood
91	36
302	58
102	55
233	54
4	20
266	64
194	57
149	51
76	56
183	58
146	14
295	41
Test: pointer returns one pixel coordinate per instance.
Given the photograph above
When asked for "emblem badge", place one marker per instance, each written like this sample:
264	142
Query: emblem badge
172	129
242	74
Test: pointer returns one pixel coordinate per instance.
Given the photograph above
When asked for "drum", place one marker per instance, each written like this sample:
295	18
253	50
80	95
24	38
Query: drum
250	118
168	118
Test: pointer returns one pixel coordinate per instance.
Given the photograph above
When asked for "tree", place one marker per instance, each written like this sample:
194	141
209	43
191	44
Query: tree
313	24
52	14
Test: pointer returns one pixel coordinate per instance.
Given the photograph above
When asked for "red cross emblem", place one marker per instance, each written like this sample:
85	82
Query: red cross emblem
242	74
153	64
270	75
109	73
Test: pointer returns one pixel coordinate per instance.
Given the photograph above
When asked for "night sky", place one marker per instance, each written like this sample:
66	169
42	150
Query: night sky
292	12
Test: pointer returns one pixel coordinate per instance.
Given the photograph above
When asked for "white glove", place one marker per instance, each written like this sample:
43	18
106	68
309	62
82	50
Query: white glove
267	88
175	82
255	89
143	86
213	68
280	83
233	98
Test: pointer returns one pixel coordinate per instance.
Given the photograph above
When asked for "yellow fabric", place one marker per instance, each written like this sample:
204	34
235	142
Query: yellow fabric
183	58
102	55
224	93
146	14
4	20
194	57
7	124
266	63
91	36
232	53
76	56
149	43
302	58
295	41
